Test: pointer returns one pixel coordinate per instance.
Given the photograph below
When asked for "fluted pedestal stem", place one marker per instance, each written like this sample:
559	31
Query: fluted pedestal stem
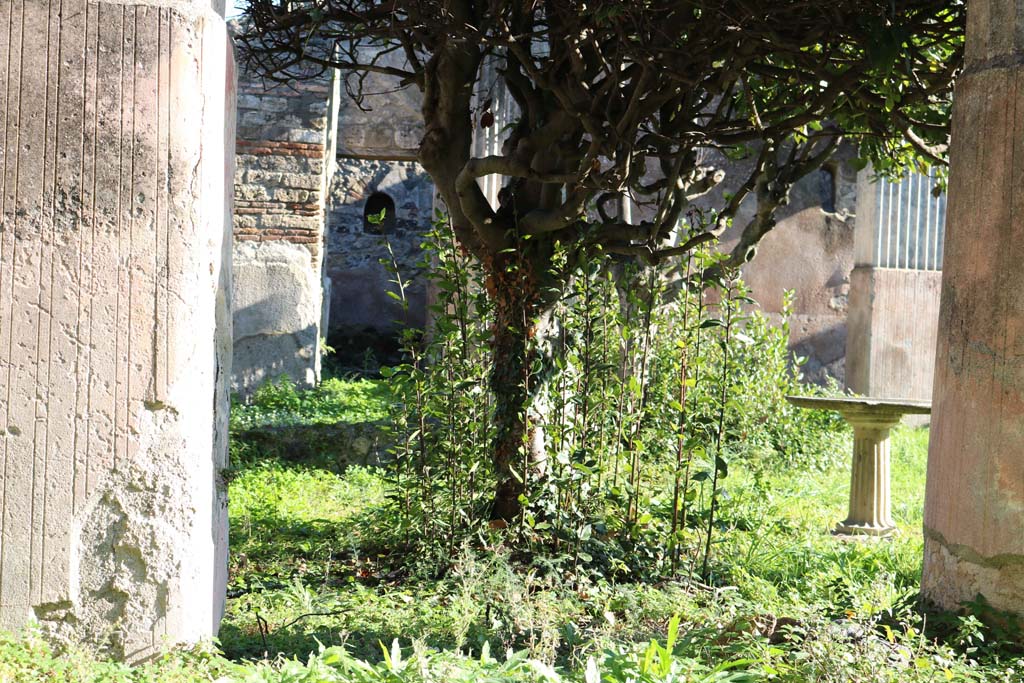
870	511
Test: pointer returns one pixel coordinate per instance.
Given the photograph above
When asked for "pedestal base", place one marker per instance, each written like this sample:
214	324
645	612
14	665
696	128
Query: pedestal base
848	528
870	511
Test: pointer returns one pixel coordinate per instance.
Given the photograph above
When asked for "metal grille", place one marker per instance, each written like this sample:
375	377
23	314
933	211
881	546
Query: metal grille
911	224
488	141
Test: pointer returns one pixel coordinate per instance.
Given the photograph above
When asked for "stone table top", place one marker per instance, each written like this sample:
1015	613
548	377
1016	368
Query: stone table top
864	406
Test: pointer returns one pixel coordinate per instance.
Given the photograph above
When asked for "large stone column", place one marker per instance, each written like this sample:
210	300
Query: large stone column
974	507
116	159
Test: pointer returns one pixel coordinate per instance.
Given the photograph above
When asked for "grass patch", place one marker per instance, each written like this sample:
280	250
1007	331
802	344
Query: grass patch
780	551
320	593
791	601
335	400
30	659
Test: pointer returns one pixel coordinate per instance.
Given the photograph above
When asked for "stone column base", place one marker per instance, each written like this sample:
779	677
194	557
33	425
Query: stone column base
870	498
954	574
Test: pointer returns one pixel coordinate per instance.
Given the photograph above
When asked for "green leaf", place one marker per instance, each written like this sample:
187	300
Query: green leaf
673	632
722	466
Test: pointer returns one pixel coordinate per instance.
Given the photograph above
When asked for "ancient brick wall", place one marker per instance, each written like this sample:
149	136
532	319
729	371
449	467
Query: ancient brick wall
283	161
278	205
285	157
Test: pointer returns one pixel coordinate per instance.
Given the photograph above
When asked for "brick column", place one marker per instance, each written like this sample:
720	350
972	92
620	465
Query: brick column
974	506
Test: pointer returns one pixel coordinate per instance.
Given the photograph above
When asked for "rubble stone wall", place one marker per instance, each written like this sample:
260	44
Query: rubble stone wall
359	262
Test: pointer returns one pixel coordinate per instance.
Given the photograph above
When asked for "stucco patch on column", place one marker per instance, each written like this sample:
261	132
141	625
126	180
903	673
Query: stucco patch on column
116	123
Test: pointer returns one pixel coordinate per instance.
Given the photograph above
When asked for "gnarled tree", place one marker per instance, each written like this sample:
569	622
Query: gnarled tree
625	97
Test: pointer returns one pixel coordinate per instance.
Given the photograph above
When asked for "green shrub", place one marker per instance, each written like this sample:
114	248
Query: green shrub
655	382
763	423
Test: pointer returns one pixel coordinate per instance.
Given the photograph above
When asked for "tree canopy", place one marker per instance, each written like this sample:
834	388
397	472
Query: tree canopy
640	98
609	91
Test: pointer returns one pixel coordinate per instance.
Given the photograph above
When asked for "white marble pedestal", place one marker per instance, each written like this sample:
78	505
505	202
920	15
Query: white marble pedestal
870	511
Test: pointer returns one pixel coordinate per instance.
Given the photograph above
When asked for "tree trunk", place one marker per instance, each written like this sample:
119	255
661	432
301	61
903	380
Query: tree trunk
520	379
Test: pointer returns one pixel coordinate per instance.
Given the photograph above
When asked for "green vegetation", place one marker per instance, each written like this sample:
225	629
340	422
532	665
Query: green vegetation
317	587
677	530
790	597
660	385
29	659
607	106
280	404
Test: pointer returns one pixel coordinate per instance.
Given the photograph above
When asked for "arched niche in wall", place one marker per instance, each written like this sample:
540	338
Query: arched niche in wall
379	202
827	186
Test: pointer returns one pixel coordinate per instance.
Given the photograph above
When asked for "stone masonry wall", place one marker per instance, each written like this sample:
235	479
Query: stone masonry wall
377	144
116	150
810	251
386	124
362	314
278	193
286	137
